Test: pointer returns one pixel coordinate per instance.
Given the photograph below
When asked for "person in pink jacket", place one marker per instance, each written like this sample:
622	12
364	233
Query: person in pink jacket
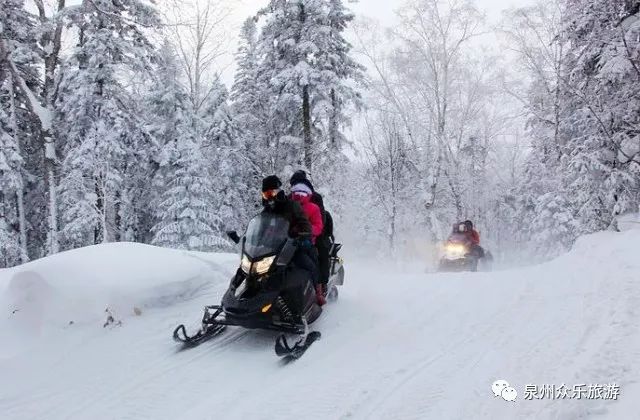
302	194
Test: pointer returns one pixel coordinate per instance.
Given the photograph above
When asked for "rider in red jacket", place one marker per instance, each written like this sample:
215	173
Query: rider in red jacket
474	237
472	234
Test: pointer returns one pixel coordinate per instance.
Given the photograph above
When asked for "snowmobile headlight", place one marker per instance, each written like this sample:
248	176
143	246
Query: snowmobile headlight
262	266
245	264
455	250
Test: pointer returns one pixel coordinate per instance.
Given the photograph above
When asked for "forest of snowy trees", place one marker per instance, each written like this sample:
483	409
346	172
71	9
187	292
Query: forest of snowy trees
116	125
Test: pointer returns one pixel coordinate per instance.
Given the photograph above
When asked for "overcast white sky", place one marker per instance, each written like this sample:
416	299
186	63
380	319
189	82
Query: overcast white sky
382	10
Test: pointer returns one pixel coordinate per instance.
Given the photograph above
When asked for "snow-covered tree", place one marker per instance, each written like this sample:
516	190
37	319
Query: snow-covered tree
387	153
308	76
250	112
35	42
189	202
583	58
98	117
20	126
187	218
13	247
442	93
245	90
542	208
602	137
199	31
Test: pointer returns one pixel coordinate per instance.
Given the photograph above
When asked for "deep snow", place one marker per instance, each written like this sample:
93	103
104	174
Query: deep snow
399	343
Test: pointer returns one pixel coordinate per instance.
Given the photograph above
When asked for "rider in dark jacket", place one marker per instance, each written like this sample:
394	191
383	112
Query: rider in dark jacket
275	201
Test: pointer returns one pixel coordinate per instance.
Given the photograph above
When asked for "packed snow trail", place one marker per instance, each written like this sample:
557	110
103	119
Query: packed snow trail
398	344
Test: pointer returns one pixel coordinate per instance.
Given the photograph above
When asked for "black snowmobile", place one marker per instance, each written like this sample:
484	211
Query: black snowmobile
457	255
268	291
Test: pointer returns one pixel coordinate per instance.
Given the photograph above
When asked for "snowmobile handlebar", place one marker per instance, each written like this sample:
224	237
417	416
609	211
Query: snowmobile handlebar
233	235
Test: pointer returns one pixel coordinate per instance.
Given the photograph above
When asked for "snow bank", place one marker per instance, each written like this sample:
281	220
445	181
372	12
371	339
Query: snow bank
629	221
87	285
604	249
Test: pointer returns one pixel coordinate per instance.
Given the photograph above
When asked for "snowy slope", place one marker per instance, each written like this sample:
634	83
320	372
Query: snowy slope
77	287
399	344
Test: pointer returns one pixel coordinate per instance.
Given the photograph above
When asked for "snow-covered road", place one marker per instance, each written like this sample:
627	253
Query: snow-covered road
398	344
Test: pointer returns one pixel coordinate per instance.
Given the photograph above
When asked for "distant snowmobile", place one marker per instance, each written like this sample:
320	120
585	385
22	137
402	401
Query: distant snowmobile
268	291
459	254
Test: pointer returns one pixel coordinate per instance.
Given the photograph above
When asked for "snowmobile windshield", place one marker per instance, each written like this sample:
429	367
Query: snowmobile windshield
265	235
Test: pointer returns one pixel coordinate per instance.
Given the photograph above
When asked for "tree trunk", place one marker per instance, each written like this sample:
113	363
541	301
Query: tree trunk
97	236
394	212
306	128
306	105
52	235
52	42
24	255
118	232
333	120
22	225
457	197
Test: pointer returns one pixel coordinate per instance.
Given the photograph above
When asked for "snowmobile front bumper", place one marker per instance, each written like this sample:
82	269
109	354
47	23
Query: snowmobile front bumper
218	315
457	265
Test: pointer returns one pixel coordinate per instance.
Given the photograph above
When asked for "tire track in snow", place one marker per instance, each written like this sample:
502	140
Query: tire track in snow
160	368
413	371
455	350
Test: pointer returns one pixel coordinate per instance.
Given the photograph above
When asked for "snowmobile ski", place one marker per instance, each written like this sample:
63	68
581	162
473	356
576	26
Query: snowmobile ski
210	328
210	331
287	352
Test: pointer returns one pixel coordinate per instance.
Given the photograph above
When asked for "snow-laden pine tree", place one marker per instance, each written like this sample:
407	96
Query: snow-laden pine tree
340	74
582	172
336	100
249	103
216	125
20	57
168	112
250	157
602	162
306	77
187	200
18	35
229	160
187	217
104	142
